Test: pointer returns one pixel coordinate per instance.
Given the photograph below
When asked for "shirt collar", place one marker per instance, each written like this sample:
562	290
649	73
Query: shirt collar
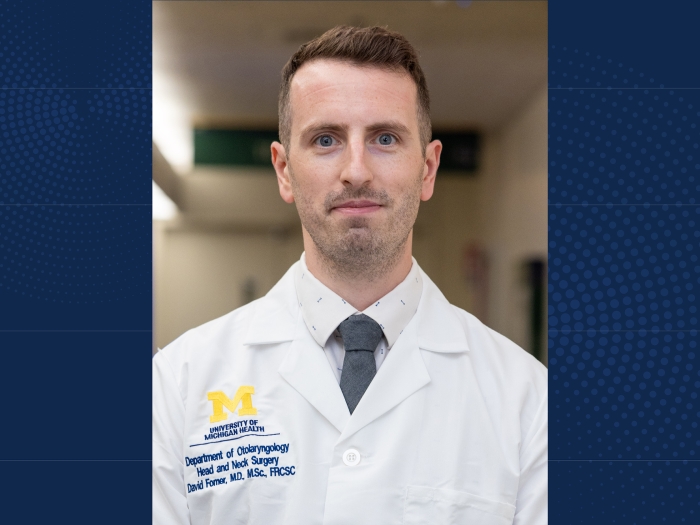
323	310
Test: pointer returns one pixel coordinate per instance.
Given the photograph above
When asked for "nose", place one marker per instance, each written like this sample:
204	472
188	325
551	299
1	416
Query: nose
355	171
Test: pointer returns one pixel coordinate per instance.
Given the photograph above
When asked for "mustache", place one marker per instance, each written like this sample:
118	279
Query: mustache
334	199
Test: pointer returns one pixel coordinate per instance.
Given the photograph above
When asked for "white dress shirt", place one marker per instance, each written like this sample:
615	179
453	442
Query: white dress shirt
323	310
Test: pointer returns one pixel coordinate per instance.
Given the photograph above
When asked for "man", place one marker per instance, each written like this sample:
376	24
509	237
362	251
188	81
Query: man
353	392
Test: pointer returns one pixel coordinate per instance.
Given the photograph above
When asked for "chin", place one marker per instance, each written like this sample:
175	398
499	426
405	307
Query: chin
356	223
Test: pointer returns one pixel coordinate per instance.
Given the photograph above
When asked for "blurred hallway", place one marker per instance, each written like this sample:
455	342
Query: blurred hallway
217	66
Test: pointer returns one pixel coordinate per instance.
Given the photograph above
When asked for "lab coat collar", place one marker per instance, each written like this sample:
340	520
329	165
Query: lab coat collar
435	327
305	367
274	318
439	327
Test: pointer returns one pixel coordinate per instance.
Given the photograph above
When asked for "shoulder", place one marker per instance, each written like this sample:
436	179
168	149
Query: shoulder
266	320
512	382
502	368
497	352
200	342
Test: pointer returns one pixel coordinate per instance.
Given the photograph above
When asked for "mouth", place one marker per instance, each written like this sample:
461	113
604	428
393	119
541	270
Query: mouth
356	207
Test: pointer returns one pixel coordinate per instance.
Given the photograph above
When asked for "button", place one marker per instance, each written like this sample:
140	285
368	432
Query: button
351	457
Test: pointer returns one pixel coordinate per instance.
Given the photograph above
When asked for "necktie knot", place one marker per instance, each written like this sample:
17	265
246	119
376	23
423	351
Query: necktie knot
360	332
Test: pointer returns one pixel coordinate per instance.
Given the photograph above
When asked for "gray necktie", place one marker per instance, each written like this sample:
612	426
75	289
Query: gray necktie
361	335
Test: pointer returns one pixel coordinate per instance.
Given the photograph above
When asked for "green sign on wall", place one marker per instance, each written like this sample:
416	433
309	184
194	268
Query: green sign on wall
233	147
244	147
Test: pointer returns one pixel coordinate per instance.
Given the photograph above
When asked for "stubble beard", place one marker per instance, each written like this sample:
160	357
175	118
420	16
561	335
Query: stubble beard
358	248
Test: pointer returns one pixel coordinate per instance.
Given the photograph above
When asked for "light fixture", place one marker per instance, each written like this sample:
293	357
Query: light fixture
164	208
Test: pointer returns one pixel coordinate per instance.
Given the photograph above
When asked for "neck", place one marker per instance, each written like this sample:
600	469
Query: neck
360	292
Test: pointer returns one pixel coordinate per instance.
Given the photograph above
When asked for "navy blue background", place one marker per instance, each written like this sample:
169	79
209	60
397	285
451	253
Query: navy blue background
75	270
624	241
75	261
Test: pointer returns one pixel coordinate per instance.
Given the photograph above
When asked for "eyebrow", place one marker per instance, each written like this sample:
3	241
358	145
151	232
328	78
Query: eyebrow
389	125
322	126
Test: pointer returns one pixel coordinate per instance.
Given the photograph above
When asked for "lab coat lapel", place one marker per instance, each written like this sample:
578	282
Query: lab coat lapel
435	328
277	319
402	373
306	369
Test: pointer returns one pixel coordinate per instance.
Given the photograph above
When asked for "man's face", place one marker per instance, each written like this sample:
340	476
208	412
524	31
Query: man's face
356	168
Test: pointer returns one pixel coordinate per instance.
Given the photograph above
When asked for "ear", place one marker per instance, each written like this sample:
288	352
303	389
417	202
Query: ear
432	161
279	161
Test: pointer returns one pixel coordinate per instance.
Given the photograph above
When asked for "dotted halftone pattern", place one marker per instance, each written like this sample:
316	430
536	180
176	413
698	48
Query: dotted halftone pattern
625	493
72	254
624	146
75	163
624	240
74	146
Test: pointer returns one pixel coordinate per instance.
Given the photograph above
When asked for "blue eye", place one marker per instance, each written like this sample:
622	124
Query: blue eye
385	139
325	141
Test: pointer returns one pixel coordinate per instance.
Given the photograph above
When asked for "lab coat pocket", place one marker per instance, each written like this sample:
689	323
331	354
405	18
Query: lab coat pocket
446	507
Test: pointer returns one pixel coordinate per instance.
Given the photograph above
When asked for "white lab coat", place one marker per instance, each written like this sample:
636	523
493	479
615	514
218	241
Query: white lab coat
452	430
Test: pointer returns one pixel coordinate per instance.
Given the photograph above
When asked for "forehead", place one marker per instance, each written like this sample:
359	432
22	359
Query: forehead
342	89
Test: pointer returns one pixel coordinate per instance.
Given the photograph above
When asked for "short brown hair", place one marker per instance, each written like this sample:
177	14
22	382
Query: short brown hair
366	46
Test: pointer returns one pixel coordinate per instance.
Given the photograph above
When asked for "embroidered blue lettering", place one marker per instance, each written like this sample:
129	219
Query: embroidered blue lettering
204	458
214	482
282	471
239	464
201	472
264	461
192	487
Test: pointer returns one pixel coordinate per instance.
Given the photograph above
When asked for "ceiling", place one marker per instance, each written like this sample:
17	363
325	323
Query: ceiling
219	63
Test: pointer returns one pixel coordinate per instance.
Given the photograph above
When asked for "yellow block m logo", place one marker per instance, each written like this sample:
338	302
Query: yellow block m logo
221	400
